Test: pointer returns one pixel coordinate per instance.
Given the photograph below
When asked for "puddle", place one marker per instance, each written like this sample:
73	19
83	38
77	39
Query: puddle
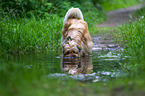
105	63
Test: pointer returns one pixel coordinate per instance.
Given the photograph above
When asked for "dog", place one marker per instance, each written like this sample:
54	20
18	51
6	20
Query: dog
76	39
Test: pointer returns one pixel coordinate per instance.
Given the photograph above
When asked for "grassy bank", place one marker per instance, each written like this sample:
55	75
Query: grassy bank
33	26
133	38
30	35
20	36
38	30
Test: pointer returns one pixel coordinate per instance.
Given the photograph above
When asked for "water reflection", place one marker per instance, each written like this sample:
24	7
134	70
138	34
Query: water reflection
76	66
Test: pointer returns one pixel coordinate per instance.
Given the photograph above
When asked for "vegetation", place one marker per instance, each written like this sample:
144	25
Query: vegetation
35	26
25	35
29	26
133	38
117	4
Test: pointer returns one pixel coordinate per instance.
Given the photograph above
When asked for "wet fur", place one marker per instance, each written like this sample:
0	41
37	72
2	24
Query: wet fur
76	40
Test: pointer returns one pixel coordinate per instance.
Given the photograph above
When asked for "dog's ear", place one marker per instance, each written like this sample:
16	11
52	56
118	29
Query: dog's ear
86	33
87	38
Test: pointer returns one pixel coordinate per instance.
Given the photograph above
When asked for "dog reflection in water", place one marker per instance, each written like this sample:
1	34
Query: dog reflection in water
75	66
76	40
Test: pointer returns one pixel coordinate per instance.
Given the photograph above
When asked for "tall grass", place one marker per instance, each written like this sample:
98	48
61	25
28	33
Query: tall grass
33	33
134	41
19	36
24	35
39	29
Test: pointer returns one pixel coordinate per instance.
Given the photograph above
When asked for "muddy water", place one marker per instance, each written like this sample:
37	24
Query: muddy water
105	63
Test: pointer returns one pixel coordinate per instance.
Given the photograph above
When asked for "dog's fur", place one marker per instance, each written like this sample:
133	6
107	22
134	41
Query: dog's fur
76	40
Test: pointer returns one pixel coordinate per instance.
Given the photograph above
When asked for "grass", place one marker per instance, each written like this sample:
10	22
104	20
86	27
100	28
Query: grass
21	36
37	34
40	35
111	5
133	38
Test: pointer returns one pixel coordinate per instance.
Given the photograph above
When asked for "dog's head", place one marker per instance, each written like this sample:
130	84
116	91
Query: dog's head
71	47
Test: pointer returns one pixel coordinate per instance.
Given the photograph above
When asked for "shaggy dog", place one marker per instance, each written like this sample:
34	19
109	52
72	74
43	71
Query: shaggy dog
76	40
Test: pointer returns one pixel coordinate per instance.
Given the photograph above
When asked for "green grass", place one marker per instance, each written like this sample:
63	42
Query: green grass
20	36
133	38
33	35
111	5
41	32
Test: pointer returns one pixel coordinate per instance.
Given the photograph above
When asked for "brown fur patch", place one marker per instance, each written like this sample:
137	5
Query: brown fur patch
76	40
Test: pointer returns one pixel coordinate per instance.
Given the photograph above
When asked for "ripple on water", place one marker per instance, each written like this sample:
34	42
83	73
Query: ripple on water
104	64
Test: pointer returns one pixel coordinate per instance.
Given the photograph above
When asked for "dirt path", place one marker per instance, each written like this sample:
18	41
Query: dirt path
115	18
119	17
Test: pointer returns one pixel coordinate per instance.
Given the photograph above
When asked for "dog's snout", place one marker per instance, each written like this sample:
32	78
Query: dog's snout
71	53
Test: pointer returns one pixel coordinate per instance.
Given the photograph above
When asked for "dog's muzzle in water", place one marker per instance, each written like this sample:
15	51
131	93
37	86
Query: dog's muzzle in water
71	48
76	39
